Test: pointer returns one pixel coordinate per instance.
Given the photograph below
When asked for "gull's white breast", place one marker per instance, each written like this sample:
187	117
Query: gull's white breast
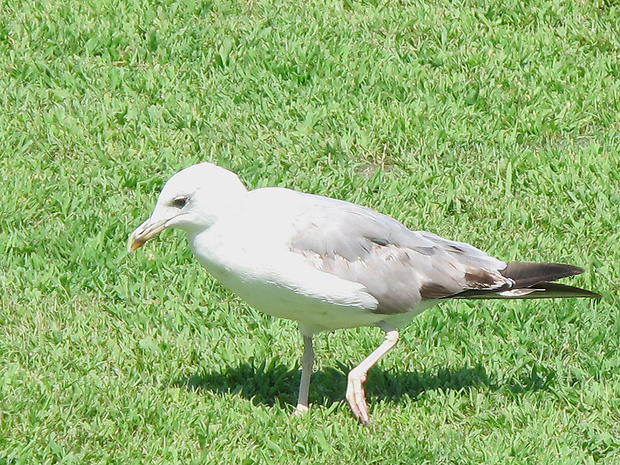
247	252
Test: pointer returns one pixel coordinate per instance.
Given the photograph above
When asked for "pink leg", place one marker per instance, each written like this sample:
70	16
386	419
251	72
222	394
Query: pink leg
357	376
307	362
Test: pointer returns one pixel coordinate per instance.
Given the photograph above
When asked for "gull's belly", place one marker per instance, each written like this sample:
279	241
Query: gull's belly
287	287
283	302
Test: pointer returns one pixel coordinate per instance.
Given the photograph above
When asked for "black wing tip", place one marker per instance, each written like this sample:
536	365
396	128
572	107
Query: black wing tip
537	278
521	265
527	274
572	269
564	290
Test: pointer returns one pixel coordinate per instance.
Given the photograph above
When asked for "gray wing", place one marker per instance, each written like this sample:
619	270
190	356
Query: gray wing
399	267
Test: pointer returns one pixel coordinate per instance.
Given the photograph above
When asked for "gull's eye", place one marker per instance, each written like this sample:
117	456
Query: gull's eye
179	202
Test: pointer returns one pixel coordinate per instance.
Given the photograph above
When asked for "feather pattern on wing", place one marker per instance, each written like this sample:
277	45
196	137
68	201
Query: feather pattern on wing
403	268
399	267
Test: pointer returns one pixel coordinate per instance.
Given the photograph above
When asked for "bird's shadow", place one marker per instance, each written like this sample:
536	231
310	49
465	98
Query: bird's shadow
274	383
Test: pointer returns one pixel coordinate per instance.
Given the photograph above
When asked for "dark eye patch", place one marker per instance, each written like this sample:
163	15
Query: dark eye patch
179	202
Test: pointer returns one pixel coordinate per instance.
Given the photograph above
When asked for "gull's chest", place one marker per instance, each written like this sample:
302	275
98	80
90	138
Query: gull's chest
261	270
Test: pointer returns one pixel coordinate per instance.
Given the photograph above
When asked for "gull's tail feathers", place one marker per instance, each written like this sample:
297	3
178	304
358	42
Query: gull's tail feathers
533	281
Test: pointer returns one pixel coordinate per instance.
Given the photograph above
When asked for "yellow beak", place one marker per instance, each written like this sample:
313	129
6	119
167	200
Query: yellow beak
143	233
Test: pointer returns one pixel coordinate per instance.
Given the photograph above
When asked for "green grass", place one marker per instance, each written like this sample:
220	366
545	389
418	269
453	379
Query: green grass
496	123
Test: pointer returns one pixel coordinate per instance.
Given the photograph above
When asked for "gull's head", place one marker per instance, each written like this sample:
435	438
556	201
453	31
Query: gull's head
191	200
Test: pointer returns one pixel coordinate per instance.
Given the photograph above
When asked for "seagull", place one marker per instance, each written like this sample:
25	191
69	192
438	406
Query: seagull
331	264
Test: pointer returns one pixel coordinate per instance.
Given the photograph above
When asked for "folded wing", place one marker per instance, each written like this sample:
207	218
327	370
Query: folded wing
403	269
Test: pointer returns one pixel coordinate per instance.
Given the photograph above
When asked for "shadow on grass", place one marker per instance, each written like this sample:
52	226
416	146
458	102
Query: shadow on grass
278	384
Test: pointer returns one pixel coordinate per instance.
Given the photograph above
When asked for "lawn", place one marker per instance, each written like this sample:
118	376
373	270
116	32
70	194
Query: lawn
494	123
